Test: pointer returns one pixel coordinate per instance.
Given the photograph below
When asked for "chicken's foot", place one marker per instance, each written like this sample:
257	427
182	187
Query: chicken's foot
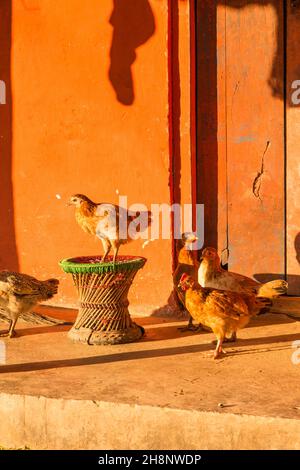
4	335
104	256
115	254
106	246
190	326
11	330
232	339
219	350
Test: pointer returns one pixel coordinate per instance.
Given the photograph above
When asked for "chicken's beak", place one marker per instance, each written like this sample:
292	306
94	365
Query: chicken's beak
182	287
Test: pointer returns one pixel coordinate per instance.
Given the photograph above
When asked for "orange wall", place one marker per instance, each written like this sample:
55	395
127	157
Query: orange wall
71	133
99	102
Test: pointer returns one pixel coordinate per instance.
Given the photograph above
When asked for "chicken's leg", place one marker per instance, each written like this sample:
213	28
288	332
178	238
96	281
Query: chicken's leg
219	350
232	338
190	326
106	247
115	248
179	299
11	330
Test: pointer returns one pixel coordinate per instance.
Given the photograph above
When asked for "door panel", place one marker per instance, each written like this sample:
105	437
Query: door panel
255	140
293	157
241	133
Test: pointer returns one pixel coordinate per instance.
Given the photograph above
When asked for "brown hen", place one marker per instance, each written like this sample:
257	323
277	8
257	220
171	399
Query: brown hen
19	293
223	312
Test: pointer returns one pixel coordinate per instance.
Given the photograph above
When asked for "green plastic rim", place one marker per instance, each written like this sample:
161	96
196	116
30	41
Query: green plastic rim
92	264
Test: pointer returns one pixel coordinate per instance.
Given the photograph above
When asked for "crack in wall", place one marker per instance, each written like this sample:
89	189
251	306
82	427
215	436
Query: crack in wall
256	186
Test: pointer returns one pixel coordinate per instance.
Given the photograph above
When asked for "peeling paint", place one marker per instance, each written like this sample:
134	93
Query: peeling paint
244	138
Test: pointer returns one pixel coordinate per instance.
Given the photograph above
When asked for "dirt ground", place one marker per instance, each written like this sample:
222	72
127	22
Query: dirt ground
166	368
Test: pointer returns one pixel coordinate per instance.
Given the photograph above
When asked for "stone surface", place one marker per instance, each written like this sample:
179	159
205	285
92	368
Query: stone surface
164	391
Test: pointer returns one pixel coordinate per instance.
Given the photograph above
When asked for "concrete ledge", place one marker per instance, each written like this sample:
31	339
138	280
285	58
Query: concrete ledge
162	392
48	423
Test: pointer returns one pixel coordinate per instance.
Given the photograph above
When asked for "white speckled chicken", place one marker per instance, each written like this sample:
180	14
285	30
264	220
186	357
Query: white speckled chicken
19	293
211	274
112	224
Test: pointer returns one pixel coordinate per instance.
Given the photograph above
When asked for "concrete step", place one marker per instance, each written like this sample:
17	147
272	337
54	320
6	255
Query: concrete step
48	423
163	392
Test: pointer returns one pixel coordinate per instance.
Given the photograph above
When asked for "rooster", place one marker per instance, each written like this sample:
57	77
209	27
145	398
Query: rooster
112	224
224	312
211	274
186	263
19	293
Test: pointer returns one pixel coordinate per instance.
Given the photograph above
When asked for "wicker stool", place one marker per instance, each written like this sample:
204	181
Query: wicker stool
103	316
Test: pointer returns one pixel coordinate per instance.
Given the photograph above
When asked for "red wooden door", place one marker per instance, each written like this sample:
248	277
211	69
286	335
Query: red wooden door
241	114
292	149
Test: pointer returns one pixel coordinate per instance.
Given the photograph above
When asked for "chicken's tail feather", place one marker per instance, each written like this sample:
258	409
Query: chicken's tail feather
273	289
36	319
264	305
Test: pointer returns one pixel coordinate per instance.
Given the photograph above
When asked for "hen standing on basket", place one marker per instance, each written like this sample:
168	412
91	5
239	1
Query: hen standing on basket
105	220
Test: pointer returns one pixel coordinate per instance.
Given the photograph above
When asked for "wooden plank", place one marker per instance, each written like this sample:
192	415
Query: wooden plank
211	114
255	138
293	132
287	305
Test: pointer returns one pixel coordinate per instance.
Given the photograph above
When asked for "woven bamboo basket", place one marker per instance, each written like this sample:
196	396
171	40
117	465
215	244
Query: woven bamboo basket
103	316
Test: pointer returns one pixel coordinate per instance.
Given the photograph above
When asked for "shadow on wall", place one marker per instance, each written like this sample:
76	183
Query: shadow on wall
207	94
133	24
276	79
8	249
